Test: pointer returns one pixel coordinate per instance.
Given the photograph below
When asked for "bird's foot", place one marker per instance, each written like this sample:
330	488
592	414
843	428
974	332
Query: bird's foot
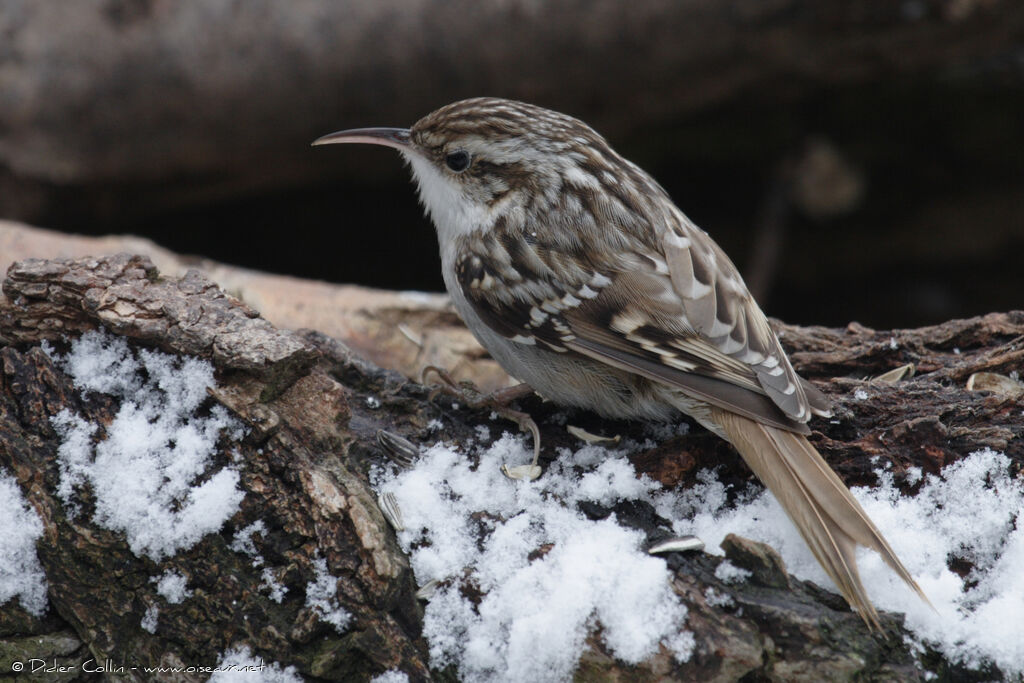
498	401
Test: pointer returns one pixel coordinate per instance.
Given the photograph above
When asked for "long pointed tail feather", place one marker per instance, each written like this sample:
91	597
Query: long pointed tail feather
827	515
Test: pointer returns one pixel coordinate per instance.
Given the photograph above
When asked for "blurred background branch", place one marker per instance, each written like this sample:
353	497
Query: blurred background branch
860	160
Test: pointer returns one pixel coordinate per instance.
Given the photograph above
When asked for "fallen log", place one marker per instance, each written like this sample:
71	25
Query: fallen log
311	410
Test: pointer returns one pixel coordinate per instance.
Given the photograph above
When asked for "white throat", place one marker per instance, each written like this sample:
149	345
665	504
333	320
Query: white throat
452	213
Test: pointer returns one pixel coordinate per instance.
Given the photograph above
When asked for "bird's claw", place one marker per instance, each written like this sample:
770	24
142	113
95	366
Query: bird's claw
524	472
498	402
526	424
465	391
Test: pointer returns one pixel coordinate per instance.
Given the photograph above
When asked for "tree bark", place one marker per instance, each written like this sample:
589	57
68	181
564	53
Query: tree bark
312	439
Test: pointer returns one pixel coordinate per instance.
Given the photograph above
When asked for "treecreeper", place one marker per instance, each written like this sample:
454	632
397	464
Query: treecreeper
582	278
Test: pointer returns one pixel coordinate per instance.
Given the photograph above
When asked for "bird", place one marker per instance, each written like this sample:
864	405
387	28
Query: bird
582	279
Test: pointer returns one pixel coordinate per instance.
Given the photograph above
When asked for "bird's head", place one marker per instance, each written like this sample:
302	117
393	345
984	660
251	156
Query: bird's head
482	158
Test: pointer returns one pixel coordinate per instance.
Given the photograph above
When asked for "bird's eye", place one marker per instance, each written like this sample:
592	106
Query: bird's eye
457	161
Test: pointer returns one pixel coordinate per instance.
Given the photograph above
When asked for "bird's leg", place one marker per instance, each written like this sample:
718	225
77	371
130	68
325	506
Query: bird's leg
498	401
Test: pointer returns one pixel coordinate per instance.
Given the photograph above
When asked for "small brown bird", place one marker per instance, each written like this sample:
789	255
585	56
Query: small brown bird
579	275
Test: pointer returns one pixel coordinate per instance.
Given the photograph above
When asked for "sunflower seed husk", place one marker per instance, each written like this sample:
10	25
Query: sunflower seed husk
401	450
1000	385
896	374
676	544
428	590
597	439
389	506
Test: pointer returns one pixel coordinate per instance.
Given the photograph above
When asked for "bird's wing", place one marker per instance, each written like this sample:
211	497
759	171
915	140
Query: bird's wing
678	315
725	316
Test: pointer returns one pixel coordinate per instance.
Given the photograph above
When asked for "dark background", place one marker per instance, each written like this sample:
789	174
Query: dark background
858	160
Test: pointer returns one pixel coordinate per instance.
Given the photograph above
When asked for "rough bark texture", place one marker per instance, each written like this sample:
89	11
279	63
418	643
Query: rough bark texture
403	331
312	439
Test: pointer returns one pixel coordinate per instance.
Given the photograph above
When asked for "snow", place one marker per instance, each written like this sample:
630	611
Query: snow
150	619
727	572
524	578
973	511
547	574
275	590
21	575
544	578
718	599
322	597
243	543
172	586
239	665
392	676
152	475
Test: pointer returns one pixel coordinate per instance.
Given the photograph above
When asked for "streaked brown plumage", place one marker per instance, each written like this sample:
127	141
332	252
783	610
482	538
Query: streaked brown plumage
577	272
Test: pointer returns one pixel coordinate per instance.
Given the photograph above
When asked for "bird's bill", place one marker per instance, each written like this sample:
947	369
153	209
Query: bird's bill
388	137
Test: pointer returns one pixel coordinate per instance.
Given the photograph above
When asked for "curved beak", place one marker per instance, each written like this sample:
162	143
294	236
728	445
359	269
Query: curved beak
388	137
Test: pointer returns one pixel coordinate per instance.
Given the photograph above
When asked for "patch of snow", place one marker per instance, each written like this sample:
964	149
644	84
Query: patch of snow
152	475
546	574
275	590
243	543
172	586
544	577
239	665
322	597
150	619
21	575
717	599
727	572
973	511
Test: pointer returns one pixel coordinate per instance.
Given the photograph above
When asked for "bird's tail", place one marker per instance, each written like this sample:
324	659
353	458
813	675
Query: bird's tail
827	515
